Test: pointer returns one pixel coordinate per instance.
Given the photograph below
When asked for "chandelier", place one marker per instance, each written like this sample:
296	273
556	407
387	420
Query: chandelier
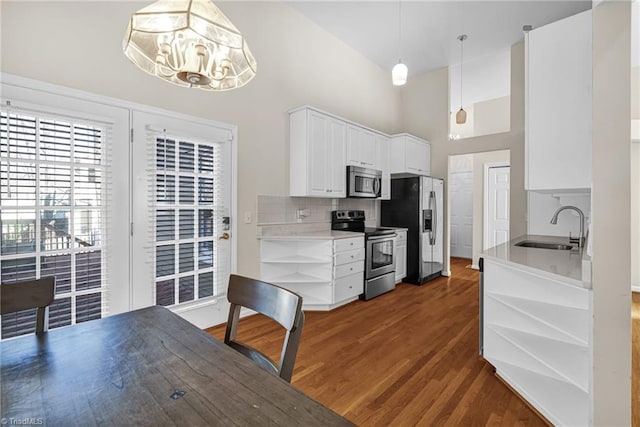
189	43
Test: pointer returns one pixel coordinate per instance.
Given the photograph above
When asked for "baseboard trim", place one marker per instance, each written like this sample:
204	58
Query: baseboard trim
446	273
475	266
635	288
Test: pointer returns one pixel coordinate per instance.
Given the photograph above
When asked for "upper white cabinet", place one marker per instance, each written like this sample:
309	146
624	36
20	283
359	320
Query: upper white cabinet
321	147
558	105
410	155
317	154
383	163
361	147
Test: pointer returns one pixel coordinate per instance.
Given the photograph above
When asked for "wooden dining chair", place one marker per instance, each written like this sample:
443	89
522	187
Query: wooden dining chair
26	294
279	304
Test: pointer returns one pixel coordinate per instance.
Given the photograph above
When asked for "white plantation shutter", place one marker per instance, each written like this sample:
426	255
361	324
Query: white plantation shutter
188	203
55	187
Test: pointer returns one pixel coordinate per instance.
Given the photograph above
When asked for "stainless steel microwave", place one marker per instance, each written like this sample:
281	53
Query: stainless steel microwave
362	182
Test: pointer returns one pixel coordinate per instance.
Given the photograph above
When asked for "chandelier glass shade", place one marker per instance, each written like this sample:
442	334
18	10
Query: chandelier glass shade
189	43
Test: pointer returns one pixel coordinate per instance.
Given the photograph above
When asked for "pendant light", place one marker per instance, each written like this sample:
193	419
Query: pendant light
399	71
189	43
461	115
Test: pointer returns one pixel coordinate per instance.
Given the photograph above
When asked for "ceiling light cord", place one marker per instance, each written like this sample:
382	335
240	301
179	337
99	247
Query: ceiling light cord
399	71
399	30
461	56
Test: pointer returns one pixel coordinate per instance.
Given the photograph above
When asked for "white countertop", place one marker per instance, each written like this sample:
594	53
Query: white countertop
564	265
314	235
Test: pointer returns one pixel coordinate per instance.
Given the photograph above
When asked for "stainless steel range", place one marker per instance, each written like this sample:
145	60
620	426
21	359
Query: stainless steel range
379	276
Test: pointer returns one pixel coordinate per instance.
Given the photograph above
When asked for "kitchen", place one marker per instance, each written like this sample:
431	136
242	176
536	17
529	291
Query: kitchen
291	74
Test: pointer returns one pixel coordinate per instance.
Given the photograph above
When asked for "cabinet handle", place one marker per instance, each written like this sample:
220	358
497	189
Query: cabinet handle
351	269
352	256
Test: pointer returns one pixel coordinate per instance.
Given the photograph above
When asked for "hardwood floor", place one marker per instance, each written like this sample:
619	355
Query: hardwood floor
409	357
635	356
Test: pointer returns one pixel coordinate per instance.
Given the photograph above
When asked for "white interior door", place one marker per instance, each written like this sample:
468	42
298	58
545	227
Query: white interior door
183	219
461	216
496	229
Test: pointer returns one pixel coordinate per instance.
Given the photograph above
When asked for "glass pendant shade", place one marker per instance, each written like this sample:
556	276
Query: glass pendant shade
461	116
189	43
399	74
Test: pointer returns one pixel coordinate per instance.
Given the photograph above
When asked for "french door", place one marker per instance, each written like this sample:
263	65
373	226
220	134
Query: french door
182	228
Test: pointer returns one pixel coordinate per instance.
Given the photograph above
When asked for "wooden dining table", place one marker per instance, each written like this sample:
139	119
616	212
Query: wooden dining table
144	367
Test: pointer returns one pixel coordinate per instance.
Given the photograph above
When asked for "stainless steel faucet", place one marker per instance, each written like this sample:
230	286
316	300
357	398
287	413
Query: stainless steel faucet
554	220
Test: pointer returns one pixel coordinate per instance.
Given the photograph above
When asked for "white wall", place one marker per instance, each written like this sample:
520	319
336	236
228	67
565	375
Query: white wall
542	206
425	113
635	147
611	214
79	45
635	216
491	116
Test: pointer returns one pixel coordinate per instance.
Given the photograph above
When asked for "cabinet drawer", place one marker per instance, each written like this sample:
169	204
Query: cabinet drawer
349	256
342	245
348	287
347	269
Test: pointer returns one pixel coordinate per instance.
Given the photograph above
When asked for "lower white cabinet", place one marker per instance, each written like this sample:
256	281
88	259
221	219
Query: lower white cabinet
400	254
326	272
536	333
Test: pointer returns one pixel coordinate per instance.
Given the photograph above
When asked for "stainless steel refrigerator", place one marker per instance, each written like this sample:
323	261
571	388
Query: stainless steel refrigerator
417	203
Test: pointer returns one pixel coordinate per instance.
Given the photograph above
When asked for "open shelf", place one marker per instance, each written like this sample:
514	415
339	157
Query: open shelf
554	321
296	277
297	259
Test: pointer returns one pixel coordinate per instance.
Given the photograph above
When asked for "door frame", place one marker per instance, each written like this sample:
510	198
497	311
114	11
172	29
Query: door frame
485	198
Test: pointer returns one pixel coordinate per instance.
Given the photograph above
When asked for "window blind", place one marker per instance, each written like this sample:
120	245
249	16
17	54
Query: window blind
188	205
54	193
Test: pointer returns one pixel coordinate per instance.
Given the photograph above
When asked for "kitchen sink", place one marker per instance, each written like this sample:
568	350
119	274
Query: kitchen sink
544	245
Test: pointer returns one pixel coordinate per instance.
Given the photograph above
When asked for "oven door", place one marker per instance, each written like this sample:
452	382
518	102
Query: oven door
379	257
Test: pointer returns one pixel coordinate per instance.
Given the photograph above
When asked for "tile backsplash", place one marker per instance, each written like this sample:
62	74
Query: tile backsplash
284	210
292	210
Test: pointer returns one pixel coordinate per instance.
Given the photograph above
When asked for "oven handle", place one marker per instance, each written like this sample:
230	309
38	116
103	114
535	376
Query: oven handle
384	236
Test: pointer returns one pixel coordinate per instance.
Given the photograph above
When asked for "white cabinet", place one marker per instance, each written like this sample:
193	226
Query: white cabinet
348	269
410	155
536	333
400	254
361	147
317	154
558	114
384	164
326	272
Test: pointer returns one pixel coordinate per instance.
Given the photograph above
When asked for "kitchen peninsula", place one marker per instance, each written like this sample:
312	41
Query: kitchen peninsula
536	314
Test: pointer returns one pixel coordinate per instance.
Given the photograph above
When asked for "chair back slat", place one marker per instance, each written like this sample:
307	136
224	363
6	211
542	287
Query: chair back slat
38	293
279	304
275	302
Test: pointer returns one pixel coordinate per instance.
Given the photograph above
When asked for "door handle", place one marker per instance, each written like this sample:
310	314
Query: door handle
224	236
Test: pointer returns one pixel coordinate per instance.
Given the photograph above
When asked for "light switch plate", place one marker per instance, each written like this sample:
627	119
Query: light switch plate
247	217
